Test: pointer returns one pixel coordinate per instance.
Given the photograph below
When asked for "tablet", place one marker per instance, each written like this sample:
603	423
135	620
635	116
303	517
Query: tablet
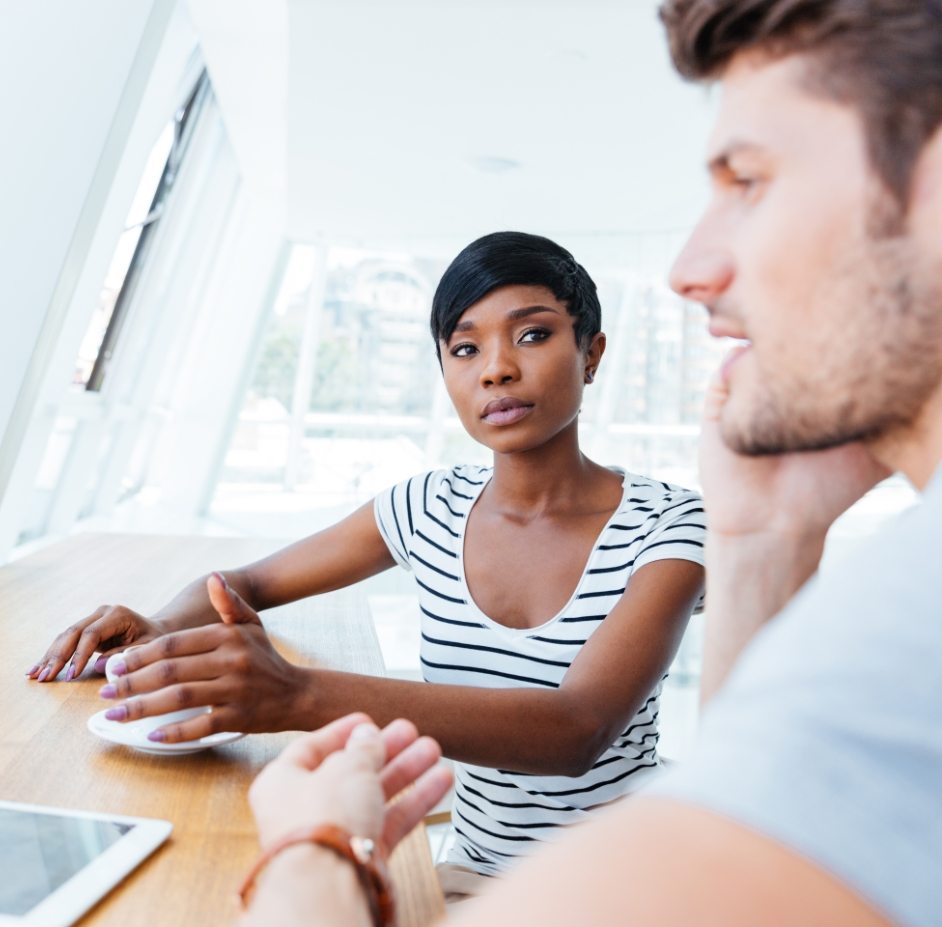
56	864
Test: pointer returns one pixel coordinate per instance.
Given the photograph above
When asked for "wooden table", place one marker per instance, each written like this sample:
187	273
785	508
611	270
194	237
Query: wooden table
48	757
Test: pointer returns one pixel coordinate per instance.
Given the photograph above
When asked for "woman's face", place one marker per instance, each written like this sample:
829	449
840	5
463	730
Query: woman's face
513	369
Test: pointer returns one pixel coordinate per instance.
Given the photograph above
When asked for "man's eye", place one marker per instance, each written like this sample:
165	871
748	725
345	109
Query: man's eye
534	334
463	350
746	185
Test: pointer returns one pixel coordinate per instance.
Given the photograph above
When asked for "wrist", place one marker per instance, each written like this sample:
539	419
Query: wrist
304	713
306	878
294	883
787	557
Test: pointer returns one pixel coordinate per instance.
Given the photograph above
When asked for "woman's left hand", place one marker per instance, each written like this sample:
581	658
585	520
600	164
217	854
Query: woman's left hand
347	773
231	666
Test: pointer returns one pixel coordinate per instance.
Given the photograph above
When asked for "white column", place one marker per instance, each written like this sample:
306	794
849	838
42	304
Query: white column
307	365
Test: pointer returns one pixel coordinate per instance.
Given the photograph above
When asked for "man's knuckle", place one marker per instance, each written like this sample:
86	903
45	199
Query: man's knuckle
168	645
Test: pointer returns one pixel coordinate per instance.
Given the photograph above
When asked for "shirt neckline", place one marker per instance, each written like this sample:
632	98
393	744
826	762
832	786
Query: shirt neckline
481	615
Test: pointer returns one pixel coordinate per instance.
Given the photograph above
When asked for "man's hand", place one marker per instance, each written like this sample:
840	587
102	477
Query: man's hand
231	666
796	494
347	773
767	518
108	629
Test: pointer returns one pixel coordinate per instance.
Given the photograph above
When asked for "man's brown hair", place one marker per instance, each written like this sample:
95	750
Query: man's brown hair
883	57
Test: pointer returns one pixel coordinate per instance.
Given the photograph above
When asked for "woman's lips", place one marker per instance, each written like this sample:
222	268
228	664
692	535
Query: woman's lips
506	411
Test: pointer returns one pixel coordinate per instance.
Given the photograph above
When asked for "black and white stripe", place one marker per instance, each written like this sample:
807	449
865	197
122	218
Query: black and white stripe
500	814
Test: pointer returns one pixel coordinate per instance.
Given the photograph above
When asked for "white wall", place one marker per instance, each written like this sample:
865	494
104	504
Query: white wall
63	68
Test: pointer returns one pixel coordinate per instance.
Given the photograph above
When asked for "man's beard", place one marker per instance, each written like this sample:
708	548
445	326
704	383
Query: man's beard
864	380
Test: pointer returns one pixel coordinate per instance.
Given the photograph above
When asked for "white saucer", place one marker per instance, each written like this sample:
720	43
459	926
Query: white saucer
134	734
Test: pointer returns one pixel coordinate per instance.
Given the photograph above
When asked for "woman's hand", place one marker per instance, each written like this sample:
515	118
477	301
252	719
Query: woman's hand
108	629
231	666
347	773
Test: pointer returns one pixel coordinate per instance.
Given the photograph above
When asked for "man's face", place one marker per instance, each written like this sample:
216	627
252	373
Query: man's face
803	254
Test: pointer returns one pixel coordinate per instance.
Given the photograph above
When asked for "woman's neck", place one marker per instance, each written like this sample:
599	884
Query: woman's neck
556	478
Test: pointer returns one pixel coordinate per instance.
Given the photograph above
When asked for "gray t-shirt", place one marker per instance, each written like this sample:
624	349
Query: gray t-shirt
828	734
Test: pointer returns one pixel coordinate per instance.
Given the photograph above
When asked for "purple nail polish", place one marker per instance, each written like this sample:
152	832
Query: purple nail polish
32	670
44	674
100	664
118	713
108	691
70	673
119	668
158	736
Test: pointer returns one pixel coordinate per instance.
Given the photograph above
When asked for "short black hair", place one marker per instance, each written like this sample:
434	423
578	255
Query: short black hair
515	258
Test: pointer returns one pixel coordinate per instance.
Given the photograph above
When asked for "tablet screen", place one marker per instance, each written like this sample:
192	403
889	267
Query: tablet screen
41	852
56	863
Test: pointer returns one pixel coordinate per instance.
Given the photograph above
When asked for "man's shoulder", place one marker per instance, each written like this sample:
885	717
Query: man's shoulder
826	736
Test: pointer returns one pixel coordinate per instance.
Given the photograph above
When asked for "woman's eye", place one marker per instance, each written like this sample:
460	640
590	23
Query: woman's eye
534	334
463	350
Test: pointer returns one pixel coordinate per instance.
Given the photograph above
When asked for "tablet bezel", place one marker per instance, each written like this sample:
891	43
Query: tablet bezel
98	877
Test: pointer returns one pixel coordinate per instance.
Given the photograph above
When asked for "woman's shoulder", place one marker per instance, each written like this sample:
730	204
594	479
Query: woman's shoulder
469	474
651	491
463	480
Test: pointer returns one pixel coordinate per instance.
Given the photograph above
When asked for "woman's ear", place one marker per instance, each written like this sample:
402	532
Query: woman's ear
593	356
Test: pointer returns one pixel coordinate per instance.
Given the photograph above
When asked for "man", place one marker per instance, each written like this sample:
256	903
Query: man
815	794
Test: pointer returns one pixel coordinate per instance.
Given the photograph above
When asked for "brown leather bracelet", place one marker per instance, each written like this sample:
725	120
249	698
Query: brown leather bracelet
367	856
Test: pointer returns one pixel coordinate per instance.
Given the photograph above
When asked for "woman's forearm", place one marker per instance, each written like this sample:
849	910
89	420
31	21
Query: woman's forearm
528	730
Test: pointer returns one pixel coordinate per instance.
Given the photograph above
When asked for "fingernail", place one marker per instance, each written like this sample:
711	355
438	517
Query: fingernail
44	674
364	732
100	664
119	668
118	713
32	670
70	673
108	691
158	736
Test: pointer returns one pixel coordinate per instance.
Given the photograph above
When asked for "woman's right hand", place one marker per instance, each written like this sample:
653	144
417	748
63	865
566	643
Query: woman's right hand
107	630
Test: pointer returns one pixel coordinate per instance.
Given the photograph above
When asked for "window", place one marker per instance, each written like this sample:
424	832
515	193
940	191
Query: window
160	172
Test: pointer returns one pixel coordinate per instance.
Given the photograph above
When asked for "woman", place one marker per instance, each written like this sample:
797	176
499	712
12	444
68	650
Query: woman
554	591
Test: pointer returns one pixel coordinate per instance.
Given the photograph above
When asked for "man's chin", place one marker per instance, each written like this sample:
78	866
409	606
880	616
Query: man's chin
772	437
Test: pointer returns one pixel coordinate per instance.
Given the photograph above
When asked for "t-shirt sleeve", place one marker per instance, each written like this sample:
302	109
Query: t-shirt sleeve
679	532
826	737
395	511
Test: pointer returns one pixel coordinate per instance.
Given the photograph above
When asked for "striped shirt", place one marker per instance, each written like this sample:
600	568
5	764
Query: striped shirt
499	814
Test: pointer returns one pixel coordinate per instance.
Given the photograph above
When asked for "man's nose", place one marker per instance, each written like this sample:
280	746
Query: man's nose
701	272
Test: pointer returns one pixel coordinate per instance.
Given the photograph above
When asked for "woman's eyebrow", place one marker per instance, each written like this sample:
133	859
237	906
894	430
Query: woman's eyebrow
512	316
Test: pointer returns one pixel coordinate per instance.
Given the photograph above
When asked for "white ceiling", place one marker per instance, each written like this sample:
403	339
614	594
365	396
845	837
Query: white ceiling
420	124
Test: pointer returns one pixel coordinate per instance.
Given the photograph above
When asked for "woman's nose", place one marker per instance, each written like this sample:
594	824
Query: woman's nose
499	367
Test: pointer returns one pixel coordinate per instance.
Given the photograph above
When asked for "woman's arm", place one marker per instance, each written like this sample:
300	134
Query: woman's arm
537	730
338	556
